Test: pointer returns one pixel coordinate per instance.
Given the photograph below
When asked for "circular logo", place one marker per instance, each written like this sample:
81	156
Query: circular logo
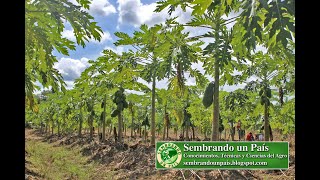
169	155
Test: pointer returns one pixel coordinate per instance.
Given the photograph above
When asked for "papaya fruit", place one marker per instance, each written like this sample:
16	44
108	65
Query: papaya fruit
208	95
260	92
101	117
102	104
115	113
262	101
125	104
269	93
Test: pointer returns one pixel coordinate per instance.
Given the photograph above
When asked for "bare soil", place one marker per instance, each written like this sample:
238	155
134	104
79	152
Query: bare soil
136	160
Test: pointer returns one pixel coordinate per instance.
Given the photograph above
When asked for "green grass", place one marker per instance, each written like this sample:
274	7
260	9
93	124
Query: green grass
62	163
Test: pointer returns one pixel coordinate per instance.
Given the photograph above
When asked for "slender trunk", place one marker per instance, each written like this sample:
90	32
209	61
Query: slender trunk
80	122
183	132
215	121
140	130
52	127
233	131
145	134
104	119
193	133
165	122
187	132
132	120
58	128
153	113
119	128
41	128
266	123
91	126
168	130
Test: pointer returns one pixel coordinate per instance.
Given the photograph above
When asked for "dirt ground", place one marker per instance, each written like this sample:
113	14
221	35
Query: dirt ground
136	160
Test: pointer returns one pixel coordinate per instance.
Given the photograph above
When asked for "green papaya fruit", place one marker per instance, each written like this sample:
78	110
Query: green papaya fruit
262	101
101	116
118	93
125	104
260	92
120	106
208	95
268	102
115	113
102	105
269	93
118	100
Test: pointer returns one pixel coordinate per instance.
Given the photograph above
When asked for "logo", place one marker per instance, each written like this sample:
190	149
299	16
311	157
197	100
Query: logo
169	155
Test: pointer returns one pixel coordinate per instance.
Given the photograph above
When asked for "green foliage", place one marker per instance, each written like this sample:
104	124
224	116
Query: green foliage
44	22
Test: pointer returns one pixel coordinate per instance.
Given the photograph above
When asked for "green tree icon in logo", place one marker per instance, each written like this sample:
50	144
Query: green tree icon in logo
169	155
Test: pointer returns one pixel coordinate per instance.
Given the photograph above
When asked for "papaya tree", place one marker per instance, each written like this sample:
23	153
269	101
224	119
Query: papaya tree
265	69
119	98
133	100
44	24
145	123
266	23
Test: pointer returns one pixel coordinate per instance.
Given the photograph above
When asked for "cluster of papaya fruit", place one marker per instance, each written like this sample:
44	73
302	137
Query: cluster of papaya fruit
120	100
265	94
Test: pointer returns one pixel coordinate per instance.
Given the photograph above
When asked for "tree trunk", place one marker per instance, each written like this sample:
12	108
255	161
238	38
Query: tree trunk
80	122
165	122
52	127
91	126
104	119
145	134
41	128
46	128
233	131
183	132
215	121
193	133
164	131
153	113
132	120
187	132
266	123
140	130
119	128
58	129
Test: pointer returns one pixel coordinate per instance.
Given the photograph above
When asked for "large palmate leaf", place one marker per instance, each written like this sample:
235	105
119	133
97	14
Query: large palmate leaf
44	24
